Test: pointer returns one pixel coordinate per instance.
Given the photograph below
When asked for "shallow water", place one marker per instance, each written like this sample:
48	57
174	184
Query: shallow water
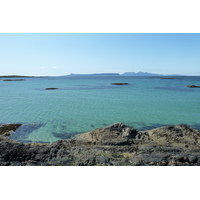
84	103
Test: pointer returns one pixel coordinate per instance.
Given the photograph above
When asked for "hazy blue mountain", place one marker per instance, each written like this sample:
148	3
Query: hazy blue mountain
140	74
100	74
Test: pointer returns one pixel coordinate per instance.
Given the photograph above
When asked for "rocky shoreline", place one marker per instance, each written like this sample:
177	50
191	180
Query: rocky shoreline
114	145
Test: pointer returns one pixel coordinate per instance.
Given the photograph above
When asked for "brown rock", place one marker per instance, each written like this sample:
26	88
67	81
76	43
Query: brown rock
4	129
193	86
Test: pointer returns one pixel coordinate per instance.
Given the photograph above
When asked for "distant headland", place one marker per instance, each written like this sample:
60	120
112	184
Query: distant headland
98	74
124	74
146	74
140	74
94	74
20	76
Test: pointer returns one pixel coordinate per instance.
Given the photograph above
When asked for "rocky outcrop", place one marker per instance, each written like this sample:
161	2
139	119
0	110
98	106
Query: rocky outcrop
193	86
51	88
7	128
180	134
114	145
119	83
116	134
14	79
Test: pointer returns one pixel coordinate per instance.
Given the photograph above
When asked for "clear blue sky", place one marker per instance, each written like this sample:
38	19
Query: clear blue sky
62	54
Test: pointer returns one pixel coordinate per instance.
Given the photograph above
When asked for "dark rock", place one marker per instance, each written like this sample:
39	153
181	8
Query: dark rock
5	129
51	88
114	145
14	79
192	158
119	83
102	159
193	86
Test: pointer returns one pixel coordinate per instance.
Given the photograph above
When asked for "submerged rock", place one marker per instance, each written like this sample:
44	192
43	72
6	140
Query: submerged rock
114	145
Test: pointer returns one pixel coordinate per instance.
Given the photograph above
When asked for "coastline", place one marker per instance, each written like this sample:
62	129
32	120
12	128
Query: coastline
114	145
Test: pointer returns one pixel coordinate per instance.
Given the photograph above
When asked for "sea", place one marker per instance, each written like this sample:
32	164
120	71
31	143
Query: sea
84	103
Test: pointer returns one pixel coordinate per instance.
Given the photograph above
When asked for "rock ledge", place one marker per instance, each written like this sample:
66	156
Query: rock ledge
114	145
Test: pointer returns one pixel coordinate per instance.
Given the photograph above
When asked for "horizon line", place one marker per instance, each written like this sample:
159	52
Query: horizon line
17	75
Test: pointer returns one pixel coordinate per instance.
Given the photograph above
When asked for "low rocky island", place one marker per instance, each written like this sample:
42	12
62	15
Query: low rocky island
51	88
164	77
114	145
193	86
119	83
14	79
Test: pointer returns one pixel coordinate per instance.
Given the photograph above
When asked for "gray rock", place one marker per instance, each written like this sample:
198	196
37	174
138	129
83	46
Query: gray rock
193	159
117	145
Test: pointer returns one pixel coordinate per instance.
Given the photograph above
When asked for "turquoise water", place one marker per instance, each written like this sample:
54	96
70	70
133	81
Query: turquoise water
85	103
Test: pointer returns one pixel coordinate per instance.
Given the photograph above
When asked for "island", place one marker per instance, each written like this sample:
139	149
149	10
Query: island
97	74
14	79
119	83
151	75
20	76
51	88
139	74
193	86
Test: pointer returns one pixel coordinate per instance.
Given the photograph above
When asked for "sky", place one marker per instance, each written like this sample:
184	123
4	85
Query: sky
57	54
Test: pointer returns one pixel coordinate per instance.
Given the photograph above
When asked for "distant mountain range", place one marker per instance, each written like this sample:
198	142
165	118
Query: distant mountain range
124	74
117	74
97	74
146	74
100	74
140	74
